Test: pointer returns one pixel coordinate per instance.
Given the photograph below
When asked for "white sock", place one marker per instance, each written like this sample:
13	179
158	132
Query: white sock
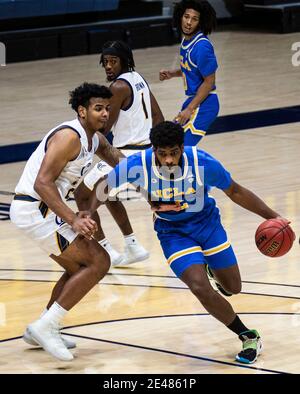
44	311
130	239
55	314
105	245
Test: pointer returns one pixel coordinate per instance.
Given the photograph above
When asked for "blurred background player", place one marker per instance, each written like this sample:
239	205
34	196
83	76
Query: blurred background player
133	111
188	222
198	64
39	208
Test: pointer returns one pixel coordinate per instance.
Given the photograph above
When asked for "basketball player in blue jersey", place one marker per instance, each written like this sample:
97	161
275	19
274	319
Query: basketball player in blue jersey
176	180
133	111
198	64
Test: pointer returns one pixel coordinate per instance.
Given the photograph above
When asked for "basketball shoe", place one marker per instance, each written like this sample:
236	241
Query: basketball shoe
133	254
29	339
252	347
115	257
214	283
48	336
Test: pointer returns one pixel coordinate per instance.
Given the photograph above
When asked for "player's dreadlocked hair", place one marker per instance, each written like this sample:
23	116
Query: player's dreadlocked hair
120	49
166	134
83	93
208	19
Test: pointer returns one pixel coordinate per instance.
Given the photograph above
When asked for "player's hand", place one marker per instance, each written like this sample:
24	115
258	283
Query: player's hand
287	223
84	224
183	116
166	207
165	74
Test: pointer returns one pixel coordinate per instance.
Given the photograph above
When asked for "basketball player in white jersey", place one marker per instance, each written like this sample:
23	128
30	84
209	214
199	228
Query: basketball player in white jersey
39	208
133	112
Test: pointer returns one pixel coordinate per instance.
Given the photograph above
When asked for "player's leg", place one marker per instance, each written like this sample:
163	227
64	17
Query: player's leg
86	262
69	344
82	196
185	257
134	252
221	261
188	263
222	264
197	127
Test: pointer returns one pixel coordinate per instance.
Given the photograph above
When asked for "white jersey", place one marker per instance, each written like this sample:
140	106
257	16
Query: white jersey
72	172
134	122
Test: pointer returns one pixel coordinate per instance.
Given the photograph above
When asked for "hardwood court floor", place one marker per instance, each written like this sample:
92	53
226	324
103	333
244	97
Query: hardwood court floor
141	319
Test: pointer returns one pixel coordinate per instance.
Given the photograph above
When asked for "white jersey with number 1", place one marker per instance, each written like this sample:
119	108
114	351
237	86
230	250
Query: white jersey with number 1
135	121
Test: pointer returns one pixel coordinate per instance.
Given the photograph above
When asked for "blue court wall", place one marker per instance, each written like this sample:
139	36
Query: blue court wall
11	9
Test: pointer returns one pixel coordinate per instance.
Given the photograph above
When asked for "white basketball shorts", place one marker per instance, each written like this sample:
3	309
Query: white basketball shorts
40	224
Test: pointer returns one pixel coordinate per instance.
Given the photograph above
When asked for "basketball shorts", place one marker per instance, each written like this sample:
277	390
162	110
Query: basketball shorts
185	247
201	119
40	224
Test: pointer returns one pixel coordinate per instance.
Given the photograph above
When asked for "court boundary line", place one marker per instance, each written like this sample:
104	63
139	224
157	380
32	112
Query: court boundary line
169	351
149	286
211	360
146	276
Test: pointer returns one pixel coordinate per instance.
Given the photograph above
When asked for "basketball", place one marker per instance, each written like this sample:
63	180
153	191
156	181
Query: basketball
274	237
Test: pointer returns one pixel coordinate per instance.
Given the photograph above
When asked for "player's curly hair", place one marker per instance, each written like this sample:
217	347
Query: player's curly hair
83	93
120	49
208	19
166	134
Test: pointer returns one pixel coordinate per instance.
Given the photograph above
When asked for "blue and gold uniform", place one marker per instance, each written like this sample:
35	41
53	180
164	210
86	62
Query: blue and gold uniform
193	235
198	60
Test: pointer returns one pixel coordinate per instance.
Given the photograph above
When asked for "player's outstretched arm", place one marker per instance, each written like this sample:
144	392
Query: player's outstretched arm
250	201
168	74
62	147
107	152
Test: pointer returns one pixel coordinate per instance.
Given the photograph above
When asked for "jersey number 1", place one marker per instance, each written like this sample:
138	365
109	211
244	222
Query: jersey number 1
144	107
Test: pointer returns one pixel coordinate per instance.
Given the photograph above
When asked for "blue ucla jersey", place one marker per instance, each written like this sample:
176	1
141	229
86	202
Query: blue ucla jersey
197	60
189	188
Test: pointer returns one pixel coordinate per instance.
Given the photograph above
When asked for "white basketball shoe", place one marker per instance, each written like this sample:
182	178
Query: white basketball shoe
133	254
48	336
29	339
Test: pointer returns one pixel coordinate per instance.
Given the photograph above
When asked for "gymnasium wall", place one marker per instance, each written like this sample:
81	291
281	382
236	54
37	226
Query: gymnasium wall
12	9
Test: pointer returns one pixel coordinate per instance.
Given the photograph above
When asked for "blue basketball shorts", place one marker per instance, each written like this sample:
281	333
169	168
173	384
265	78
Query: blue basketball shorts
185	249
201	119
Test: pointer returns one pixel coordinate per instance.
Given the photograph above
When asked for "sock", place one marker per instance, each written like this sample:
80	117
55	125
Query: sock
130	239
55	314
238	327
43	313
105	245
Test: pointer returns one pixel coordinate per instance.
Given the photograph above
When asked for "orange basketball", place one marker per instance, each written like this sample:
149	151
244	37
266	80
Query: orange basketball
274	237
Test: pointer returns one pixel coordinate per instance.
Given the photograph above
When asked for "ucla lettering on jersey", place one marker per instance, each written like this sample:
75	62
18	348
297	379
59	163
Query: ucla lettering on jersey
184	187
189	187
197	60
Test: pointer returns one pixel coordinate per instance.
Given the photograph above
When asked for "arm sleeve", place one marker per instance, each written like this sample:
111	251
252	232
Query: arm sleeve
129	170
204	57
214	173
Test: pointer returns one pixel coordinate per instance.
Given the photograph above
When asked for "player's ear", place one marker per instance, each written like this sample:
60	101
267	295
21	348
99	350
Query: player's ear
82	112
182	148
